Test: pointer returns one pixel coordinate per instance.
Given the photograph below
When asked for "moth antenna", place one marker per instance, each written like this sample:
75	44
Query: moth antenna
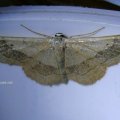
36	32
88	34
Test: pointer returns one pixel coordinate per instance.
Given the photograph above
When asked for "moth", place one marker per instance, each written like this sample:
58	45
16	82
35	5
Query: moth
52	60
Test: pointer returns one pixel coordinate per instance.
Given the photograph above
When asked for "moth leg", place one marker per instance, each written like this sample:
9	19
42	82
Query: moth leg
87	34
43	35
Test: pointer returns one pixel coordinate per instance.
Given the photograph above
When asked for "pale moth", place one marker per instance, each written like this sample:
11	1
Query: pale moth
52	60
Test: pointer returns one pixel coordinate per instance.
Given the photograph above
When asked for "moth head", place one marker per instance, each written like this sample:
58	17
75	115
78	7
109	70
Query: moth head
60	35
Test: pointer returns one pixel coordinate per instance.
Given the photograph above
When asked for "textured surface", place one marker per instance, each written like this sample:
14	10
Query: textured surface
56	60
